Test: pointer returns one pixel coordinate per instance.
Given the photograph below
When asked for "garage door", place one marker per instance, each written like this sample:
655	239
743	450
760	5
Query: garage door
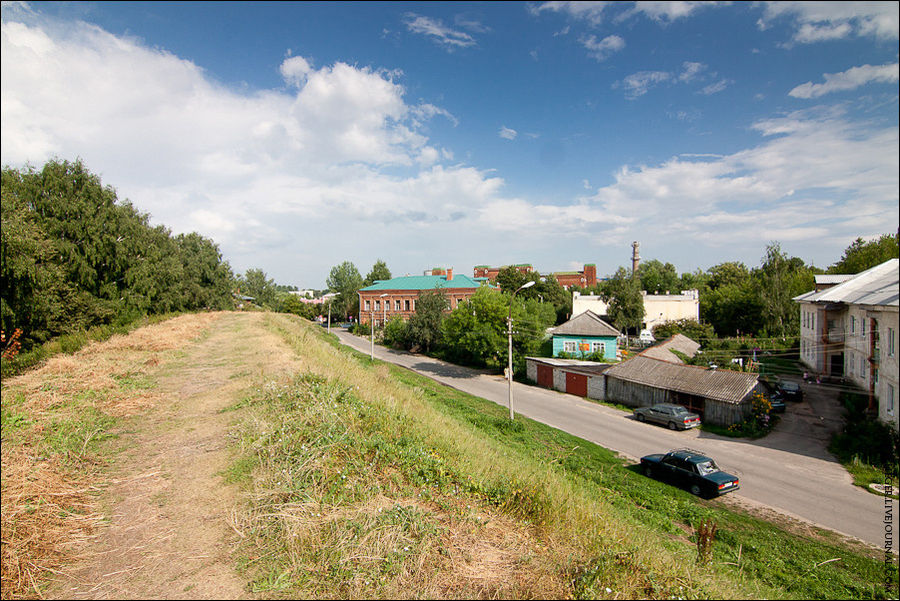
545	376
576	384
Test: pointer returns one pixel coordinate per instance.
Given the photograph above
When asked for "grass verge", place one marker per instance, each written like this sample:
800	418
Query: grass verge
365	480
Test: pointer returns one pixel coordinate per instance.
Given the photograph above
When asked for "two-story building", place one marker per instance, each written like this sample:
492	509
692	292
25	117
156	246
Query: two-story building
397	296
848	330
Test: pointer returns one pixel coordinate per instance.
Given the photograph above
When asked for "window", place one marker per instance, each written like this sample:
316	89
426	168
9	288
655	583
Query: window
569	346
378	305
406	305
366	305
853	324
599	347
397	305
890	399
891	336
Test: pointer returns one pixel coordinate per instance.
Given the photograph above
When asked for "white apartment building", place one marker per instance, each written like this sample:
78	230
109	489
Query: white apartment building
658	308
848	329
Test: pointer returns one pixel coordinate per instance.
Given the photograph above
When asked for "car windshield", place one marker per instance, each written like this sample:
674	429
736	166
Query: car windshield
790	386
679	410
707	467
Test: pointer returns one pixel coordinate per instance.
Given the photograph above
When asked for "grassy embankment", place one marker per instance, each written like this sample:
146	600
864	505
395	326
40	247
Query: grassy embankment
365	480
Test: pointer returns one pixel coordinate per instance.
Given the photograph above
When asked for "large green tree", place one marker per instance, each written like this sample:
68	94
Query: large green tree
658	278
862	255
257	284
379	271
622	292
424	327
345	281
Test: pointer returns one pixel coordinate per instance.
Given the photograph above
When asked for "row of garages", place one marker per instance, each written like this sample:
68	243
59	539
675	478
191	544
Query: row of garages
720	397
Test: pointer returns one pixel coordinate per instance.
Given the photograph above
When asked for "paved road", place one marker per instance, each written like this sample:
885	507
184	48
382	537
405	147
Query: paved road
782	471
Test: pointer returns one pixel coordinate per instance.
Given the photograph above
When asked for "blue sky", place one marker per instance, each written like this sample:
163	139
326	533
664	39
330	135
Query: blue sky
301	135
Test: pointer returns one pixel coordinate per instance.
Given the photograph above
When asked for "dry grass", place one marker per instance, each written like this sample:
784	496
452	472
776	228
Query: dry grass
50	465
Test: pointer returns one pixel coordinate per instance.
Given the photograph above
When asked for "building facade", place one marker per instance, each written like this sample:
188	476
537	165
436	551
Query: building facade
398	296
658	308
584	335
848	332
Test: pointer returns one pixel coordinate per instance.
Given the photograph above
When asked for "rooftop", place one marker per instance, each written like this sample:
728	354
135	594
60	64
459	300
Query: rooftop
879	285
426	282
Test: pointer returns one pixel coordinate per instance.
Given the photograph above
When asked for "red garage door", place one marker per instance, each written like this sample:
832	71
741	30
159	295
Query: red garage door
576	384
545	376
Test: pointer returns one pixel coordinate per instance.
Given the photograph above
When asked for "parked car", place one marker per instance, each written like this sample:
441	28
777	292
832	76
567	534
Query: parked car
791	391
692	470
777	403
675	417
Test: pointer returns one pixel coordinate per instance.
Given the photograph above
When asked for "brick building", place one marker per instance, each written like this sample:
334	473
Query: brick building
486	271
566	279
397	296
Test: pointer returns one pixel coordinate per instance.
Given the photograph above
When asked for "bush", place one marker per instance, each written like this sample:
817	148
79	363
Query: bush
395	333
864	438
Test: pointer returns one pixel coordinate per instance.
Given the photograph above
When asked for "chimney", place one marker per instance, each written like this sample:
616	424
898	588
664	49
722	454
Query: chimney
449	274
590	274
635	257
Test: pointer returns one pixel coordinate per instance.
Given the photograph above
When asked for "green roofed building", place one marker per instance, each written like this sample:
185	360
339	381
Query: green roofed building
397	296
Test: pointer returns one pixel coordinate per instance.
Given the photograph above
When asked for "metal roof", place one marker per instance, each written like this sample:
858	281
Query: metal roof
677	342
720	385
585	324
425	282
879	285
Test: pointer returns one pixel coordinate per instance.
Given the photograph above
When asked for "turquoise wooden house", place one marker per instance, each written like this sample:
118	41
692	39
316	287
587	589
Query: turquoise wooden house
584	335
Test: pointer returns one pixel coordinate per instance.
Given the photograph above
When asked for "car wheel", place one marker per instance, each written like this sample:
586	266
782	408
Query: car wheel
695	490
672	426
640	417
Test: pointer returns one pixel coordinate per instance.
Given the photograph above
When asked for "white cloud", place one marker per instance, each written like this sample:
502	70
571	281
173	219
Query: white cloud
690	71
816	174
438	31
848	80
823	21
295	70
715	88
604	48
595	12
638	84
507	133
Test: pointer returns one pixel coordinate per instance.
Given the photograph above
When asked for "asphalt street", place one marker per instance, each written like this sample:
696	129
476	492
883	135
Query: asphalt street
783	471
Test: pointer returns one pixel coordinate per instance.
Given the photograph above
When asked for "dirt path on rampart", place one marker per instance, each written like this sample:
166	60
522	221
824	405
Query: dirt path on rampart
169	534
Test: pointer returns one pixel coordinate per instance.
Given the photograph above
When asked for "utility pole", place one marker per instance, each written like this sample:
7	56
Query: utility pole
509	369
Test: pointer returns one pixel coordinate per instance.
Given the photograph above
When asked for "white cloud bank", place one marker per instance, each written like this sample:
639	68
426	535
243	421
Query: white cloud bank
336	166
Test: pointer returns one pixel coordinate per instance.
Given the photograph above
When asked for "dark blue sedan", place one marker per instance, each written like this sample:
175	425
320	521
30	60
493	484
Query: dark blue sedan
691	470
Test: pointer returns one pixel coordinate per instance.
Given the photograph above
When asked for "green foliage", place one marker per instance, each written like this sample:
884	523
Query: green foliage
379	271
862	255
424	327
865	439
658	278
693	329
346	281
626	304
396	332
73	256
255	283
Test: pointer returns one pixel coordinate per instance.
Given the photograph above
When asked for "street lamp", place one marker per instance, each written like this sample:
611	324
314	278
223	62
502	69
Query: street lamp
509	374
372	323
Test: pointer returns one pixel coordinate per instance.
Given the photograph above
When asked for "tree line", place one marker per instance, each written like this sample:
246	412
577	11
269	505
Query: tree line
73	256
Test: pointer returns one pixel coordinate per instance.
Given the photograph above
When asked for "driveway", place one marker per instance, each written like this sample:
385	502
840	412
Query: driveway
790	474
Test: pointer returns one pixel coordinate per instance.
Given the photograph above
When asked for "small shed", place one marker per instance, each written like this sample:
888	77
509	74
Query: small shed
720	397
585	334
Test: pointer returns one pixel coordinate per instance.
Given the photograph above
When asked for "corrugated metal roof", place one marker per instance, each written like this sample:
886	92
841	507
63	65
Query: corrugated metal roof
678	342
425	282
879	285
722	385
585	324
591	368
